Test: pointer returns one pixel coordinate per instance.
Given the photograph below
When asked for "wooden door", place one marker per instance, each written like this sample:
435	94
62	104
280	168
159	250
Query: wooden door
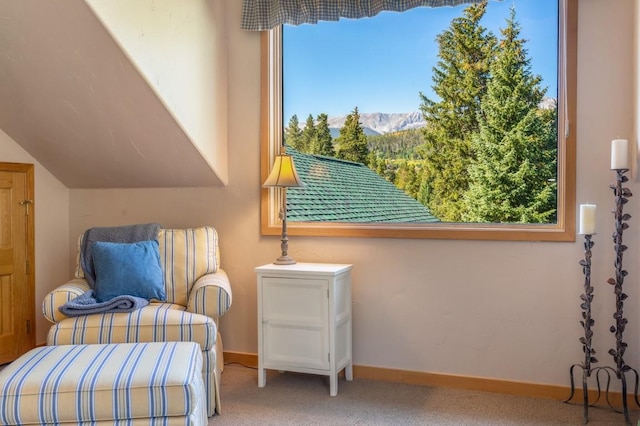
17	280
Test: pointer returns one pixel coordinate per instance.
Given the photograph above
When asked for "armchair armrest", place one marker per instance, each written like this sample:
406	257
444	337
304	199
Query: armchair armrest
61	295
211	295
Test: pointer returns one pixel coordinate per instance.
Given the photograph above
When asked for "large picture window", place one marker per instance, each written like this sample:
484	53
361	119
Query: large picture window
455	122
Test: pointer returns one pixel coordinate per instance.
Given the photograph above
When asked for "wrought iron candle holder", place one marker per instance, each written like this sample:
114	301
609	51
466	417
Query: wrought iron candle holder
622	197
621	367
587	322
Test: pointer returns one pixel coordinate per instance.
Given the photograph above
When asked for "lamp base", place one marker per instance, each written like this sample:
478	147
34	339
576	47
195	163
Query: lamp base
284	260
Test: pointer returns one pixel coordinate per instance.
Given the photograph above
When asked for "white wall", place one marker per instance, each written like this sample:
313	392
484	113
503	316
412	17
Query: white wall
51	228
164	39
506	310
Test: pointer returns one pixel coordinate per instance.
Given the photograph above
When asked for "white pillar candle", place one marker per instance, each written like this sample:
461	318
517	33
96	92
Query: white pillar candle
587	219
619	154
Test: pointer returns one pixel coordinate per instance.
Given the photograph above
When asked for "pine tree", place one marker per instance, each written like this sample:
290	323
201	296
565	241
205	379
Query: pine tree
390	171
373	161
308	135
293	133
352	142
323	143
513	179
423	189
460	81
407	178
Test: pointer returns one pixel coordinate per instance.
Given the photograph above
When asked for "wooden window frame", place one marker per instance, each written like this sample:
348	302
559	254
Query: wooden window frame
564	230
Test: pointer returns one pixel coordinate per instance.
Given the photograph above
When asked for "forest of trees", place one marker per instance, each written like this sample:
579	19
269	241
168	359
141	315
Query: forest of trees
488	152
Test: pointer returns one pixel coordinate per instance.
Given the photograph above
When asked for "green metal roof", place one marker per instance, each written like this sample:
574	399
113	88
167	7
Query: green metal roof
344	191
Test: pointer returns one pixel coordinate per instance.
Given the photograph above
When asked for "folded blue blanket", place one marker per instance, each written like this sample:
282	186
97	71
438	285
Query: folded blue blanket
86	304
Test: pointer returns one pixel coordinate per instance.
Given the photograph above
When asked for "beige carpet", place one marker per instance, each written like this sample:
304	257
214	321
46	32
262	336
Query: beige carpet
301	399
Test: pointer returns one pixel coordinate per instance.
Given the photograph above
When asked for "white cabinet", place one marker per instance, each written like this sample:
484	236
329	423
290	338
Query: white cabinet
304	320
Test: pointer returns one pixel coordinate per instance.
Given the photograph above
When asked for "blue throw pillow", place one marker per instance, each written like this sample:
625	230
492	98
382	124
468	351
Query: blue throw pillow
128	269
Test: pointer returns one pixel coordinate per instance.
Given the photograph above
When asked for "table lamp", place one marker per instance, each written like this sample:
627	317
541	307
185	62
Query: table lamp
283	175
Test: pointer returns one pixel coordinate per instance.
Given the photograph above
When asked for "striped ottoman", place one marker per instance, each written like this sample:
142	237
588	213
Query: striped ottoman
123	383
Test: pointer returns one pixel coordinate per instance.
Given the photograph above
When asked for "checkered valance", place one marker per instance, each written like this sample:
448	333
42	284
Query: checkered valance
258	15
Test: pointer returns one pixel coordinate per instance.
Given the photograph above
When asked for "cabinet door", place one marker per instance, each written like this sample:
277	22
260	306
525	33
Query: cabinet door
295	323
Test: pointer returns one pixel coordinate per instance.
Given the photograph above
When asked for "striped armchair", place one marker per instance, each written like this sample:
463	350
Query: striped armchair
198	293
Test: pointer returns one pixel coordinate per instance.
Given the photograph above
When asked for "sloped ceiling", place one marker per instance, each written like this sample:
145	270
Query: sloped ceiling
71	97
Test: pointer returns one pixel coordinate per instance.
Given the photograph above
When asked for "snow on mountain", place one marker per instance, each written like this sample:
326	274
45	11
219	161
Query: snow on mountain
548	103
379	123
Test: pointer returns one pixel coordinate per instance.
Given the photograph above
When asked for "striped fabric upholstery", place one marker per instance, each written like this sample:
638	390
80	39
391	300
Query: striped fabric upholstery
62	295
187	254
211	295
189	257
158	322
145	383
211	377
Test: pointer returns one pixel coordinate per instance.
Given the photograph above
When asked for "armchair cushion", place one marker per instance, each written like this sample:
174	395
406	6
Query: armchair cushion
157	322
187	254
112	234
128	269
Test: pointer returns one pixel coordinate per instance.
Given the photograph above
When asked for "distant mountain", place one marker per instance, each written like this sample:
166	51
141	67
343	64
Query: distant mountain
379	123
548	103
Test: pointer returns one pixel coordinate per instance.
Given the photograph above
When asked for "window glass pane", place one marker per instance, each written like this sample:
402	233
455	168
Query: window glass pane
430	118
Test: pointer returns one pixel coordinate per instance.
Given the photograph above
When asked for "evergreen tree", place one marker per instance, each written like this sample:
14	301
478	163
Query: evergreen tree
308	135
459	81
323	143
352	142
513	179
293	133
373	161
402	144
381	166
390	171
423	189
407	178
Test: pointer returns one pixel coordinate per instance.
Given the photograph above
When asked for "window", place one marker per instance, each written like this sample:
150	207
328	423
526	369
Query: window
560	228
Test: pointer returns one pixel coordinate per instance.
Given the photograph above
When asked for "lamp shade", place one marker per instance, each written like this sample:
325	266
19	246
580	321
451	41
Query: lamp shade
283	174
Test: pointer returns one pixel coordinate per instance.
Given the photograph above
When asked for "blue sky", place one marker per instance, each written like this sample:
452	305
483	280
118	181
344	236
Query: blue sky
381	64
